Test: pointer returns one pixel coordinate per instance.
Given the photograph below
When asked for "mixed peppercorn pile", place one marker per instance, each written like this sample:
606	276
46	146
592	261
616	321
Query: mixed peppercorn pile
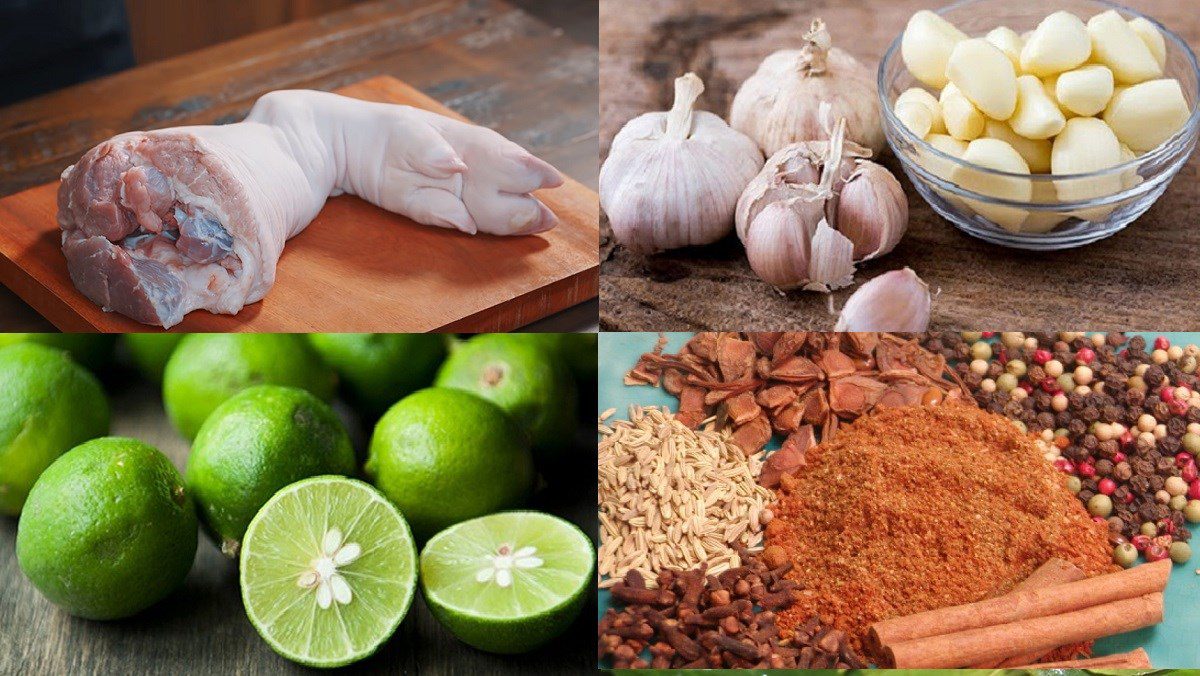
1121	418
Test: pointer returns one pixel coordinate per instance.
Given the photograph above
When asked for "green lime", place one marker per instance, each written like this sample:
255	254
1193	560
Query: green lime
108	530
90	349
208	368
525	379
150	352
509	582
444	456
48	405
328	571
577	350
379	369
255	443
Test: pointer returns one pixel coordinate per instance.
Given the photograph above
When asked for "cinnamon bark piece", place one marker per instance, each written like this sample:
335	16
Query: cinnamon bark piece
1002	641
1134	659
1050	573
1025	604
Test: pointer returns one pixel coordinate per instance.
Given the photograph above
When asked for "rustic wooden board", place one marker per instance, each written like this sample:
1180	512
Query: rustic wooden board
202	628
355	268
1143	277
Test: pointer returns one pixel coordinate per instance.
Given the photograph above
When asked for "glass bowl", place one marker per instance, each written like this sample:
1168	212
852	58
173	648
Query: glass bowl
1114	197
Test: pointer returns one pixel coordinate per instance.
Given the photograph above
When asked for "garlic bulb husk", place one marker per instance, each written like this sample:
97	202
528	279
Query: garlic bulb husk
779	104
894	301
801	231
673	179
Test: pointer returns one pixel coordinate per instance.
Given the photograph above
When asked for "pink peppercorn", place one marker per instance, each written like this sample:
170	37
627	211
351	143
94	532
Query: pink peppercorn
1087	470
1027	386
1194	490
1155	552
1041	356
1166	526
1085	355
1183	459
1129	497
1140	542
1064	465
1107	486
1050	385
1189	472
1161	343
989	334
1118	457
1167	394
1179	407
1126	438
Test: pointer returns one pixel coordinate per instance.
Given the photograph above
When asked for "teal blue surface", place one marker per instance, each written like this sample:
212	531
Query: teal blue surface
1173	644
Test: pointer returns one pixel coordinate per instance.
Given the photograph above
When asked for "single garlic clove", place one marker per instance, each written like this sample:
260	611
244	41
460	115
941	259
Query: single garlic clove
926	46
1040	221
1050	87
922	97
1035	152
1000	156
1007	41
1059	43
1145	115
831	265
894	301
940	166
1116	45
1149	33
962	119
1086	145
872	211
1037	116
1085	91
915	116
985	76
1129	177
778	241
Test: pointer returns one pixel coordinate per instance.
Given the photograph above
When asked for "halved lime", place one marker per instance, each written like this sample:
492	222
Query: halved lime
328	571
508	582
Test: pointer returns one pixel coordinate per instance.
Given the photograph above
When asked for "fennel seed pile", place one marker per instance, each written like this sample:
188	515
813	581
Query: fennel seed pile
672	497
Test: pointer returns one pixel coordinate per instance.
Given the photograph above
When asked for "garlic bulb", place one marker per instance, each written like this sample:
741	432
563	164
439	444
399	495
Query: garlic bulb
816	209
780	103
894	301
673	179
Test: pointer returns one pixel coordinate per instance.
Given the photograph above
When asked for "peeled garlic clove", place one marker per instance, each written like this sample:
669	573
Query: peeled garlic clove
1129	177
1086	145
673	179
1040	221
1149	33
1037	116
1116	45
1050	87
915	116
1145	115
1059	43
940	166
894	301
995	154
1036	153
926	46
985	76
872	211
780	103
924	98
1085	91
963	120
1006	40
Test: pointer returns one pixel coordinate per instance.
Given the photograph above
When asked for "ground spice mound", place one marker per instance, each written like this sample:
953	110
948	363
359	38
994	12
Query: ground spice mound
916	508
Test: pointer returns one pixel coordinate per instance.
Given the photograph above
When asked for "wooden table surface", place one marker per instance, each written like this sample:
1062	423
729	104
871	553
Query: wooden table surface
490	60
1146	276
202	627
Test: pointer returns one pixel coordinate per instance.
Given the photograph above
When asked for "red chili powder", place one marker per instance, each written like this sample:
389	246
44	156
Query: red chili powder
916	508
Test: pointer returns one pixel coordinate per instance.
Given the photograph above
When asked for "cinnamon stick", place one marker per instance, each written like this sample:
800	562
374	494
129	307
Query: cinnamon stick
1025	604
1050	573
1002	641
1134	659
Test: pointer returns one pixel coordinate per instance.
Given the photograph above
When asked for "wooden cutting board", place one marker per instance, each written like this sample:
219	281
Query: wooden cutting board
356	267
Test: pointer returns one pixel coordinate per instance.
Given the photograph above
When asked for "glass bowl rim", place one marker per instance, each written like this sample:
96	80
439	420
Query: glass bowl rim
1164	149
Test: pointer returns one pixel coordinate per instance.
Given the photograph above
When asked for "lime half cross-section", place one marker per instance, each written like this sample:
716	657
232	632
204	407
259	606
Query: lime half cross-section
509	582
328	571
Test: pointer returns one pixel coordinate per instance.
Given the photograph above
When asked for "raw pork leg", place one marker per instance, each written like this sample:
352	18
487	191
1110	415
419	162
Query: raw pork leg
157	224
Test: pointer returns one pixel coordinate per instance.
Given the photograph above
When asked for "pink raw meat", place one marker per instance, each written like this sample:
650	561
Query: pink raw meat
157	224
